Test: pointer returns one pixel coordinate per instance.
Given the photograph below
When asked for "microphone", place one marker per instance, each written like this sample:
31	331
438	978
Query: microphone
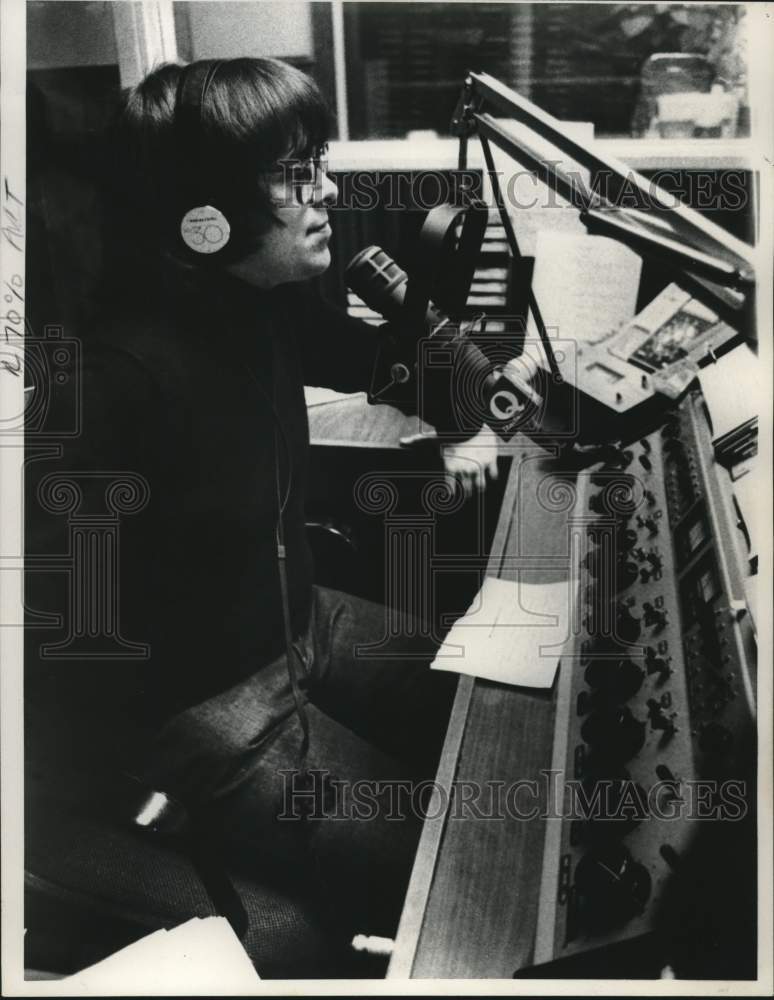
503	397
382	284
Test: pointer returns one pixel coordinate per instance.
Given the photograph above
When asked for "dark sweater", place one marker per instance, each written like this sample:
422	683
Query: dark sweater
197	391
182	394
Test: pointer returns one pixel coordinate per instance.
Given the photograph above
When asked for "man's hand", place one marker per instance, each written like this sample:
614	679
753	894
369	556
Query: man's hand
469	462
472	461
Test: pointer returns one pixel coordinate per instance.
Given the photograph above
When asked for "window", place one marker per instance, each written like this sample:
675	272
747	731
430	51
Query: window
656	70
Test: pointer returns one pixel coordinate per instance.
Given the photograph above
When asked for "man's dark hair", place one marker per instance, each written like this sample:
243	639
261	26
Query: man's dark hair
255	114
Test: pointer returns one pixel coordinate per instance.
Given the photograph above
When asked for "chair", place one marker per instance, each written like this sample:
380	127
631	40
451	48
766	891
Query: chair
97	879
669	73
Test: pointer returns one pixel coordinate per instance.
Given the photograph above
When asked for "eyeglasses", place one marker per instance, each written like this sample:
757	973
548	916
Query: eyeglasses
303	177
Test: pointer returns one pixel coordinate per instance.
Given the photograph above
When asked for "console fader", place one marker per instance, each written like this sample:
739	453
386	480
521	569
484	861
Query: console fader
655	699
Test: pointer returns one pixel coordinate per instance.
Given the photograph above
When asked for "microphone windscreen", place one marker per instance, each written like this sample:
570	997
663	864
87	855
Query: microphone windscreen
379	281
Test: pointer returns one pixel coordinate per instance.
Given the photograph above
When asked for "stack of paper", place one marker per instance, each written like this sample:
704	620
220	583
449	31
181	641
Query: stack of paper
748	490
730	392
585	286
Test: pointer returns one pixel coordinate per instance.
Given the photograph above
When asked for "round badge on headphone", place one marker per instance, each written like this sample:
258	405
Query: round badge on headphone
205	229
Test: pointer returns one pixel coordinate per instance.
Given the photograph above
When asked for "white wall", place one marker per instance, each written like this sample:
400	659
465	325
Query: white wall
224	29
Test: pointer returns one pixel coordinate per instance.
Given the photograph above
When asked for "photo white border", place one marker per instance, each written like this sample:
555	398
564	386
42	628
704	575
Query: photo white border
12	166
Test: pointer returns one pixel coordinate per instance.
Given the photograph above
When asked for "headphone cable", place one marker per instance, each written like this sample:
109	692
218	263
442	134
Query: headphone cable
281	550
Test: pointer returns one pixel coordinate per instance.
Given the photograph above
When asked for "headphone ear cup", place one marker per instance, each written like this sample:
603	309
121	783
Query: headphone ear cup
205	229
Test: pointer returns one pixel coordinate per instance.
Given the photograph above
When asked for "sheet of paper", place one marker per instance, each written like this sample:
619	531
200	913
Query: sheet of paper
513	632
317	395
585	286
748	491
729	389
752	591
201	955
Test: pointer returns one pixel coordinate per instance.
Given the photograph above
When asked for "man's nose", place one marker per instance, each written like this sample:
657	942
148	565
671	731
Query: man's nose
328	191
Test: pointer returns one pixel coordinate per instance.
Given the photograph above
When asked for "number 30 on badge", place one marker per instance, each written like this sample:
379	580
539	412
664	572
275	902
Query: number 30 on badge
205	229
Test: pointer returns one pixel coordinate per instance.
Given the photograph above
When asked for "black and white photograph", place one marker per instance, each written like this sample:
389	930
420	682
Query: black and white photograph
386	497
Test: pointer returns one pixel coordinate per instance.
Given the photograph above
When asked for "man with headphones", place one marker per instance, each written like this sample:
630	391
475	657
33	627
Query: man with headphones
255	705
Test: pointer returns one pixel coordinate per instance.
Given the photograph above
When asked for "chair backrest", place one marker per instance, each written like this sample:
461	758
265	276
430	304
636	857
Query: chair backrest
676	73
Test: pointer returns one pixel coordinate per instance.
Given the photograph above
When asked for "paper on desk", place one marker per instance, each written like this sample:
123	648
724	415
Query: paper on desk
513	632
730	389
317	395
749	490
199	958
752	593
585	286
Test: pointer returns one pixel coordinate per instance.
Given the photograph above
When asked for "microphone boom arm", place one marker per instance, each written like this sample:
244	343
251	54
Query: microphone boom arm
704	252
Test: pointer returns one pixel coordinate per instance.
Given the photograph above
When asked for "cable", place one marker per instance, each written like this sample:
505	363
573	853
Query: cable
279	533
303	717
282	504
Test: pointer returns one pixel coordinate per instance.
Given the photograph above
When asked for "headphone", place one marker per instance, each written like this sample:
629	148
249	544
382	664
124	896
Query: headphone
204	230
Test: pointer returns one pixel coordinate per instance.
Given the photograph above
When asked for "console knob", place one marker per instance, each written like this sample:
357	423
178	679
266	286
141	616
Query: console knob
655	560
598	562
655	665
660	719
615	457
614	730
625	538
653	617
626	625
611	886
618	680
618	498
627	574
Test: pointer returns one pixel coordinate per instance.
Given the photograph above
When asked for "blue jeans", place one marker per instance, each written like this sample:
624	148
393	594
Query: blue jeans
347	831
